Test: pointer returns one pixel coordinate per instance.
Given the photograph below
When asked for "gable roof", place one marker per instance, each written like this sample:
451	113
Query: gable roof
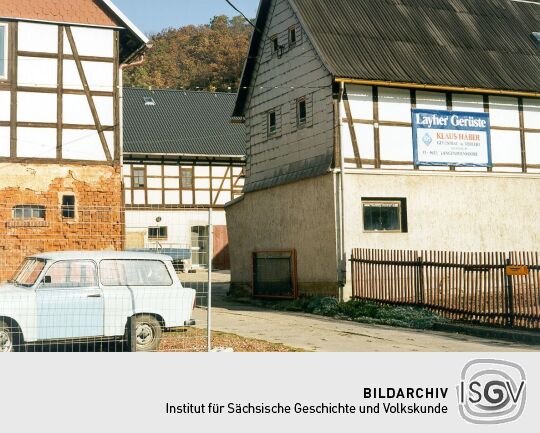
485	44
100	13
181	123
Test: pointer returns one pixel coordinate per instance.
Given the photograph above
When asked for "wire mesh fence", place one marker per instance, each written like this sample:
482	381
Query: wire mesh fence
107	278
492	288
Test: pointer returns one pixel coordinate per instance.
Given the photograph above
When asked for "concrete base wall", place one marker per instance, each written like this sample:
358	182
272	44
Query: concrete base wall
299	216
448	211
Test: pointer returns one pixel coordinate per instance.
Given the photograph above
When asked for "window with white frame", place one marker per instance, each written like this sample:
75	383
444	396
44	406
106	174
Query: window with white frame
3	51
385	214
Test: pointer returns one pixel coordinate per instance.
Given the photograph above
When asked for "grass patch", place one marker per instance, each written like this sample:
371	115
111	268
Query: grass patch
359	311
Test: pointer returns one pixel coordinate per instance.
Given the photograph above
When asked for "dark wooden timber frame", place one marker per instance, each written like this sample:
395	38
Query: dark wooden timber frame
235	188
377	162
11	85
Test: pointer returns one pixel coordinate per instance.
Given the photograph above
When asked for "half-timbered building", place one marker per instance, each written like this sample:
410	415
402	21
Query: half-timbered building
60	125
182	157
387	124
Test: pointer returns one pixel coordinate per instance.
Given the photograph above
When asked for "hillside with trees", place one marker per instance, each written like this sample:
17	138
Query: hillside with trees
204	57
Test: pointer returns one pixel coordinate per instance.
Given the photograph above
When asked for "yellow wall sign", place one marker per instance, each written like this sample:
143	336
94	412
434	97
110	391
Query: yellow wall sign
517	270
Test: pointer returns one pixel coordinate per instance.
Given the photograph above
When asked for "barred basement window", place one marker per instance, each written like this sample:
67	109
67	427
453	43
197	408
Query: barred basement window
28	212
68	206
3	51
139	178
187	178
157	233
385	214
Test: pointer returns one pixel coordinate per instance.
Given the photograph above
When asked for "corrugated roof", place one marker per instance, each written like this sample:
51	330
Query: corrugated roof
465	43
181	123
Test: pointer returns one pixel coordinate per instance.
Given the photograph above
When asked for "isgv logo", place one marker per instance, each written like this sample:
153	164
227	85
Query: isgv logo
492	391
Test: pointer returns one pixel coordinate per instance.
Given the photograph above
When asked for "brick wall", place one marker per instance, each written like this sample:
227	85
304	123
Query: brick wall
98	222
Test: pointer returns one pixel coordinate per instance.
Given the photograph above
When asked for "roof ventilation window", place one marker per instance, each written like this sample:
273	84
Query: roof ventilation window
536	39
149	101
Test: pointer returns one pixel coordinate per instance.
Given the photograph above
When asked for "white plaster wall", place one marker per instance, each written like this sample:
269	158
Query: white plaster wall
83	144
71	77
36	37
36	107
91	42
4	140
76	110
36	142
105	109
178	224
5	106
99	75
456	212
36	72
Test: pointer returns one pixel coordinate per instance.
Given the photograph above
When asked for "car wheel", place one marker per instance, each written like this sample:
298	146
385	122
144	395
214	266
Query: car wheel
147	333
7	338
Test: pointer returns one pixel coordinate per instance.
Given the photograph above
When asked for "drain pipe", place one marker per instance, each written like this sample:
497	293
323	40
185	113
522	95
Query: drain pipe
343	254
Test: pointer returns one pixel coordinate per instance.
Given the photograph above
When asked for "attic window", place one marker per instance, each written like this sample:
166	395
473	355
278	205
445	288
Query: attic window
149	101
536	38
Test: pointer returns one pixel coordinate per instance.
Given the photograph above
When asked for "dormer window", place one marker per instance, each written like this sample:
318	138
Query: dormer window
148	101
3	51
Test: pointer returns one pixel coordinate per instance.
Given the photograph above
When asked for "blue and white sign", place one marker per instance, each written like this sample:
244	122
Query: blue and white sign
452	138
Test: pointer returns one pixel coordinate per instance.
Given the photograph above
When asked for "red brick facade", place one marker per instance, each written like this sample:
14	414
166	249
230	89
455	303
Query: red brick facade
97	224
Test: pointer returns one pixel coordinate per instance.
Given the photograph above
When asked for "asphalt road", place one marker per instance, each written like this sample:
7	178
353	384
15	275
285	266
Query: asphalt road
322	334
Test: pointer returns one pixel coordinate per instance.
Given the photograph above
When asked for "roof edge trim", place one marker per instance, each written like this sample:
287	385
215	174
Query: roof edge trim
128	23
437	87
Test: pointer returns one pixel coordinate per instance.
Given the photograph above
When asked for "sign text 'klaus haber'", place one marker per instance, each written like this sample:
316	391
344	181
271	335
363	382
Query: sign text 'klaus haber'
451	138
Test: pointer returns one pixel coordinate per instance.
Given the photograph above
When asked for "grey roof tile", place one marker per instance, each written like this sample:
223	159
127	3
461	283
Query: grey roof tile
181	122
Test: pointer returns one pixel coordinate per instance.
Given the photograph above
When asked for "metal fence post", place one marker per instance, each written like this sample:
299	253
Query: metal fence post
209	296
509	297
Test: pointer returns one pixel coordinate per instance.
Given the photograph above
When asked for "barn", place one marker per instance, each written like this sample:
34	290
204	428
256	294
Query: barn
385	124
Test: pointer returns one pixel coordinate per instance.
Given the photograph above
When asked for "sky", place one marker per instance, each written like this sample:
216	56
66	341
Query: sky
151	16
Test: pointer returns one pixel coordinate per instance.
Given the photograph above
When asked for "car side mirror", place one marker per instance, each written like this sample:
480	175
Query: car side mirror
47	279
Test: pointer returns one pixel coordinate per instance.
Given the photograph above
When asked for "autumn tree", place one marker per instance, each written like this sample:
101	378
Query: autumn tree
205	57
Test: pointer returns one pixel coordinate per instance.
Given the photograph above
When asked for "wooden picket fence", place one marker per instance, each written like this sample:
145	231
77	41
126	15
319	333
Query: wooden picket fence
463	286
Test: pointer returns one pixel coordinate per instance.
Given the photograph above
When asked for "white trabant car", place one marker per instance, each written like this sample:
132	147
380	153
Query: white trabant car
93	295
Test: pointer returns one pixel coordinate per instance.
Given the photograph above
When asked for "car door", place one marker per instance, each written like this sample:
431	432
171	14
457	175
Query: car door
69	301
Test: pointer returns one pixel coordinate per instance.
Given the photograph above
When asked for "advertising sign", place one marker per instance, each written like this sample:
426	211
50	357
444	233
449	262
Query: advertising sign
451	138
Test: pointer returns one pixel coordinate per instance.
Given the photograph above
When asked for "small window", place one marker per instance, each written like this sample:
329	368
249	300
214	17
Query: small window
275	43
72	274
157	233
292	36
385	215
272	122
134	273
139	178
148	101
187	178
3	51
301	111
68	206
28	212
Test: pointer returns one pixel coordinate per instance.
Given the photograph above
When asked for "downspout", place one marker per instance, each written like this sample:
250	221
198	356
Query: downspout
341	191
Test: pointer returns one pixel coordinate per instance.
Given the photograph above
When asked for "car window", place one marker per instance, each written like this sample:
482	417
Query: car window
28	272
72	273
134	273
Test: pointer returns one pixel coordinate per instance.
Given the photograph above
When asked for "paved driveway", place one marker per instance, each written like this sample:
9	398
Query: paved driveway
322	334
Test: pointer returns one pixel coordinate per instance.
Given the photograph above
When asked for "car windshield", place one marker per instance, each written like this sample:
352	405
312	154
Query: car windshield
28	272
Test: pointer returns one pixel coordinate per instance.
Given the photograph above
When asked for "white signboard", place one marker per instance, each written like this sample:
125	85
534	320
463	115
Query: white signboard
451	138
